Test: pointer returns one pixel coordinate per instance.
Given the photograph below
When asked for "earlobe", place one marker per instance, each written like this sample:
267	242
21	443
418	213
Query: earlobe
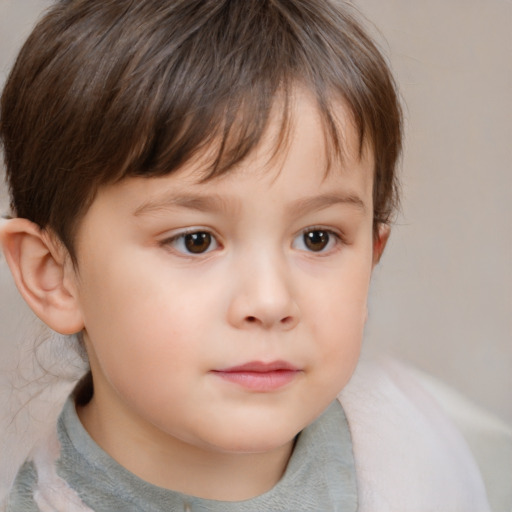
380	241
39	264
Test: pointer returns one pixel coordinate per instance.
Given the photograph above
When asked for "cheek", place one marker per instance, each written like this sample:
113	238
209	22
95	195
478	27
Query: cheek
338	320
145	323
340	305
144	359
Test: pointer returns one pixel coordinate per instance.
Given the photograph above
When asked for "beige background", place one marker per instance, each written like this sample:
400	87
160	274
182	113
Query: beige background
442	297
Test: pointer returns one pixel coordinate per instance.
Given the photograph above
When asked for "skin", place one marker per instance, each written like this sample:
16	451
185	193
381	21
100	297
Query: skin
159	322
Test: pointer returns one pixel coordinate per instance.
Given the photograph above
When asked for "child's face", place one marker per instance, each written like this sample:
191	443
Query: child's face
229	314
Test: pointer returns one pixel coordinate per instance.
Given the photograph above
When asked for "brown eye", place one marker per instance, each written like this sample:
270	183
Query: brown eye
197	243
316	240
192	243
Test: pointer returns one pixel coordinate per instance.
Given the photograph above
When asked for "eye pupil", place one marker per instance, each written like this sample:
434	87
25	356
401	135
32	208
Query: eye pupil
316	240
197	243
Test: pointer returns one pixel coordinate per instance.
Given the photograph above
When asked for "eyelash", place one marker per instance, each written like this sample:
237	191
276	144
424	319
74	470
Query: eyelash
175	239
334	239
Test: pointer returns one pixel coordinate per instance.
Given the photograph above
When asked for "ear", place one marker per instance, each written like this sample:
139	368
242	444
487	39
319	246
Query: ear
43	273
380	241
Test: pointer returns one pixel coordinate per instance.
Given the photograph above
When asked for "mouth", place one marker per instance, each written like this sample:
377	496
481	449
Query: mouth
260	377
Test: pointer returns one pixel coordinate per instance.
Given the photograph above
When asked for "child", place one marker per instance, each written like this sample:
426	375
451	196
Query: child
201	189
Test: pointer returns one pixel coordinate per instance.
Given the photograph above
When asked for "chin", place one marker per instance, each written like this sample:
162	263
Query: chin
255	438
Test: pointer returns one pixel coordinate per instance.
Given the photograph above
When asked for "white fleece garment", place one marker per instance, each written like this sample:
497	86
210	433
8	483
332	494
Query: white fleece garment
408	455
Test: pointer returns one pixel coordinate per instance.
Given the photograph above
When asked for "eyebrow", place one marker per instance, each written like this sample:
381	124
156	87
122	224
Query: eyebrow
215	203
314	203
210	203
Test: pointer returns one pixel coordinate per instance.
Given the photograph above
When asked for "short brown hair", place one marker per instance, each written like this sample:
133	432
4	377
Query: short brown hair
103	90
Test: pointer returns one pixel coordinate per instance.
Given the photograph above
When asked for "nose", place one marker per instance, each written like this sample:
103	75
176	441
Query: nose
263	296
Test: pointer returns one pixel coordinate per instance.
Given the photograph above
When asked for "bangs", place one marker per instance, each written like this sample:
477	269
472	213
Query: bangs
228	136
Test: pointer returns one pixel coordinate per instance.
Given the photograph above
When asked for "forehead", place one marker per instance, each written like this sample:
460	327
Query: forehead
293	167
297	128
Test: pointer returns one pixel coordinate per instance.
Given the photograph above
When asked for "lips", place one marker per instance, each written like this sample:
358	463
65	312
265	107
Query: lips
259	376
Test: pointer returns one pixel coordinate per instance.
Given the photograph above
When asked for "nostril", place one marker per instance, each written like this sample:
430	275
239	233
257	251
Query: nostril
286	322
